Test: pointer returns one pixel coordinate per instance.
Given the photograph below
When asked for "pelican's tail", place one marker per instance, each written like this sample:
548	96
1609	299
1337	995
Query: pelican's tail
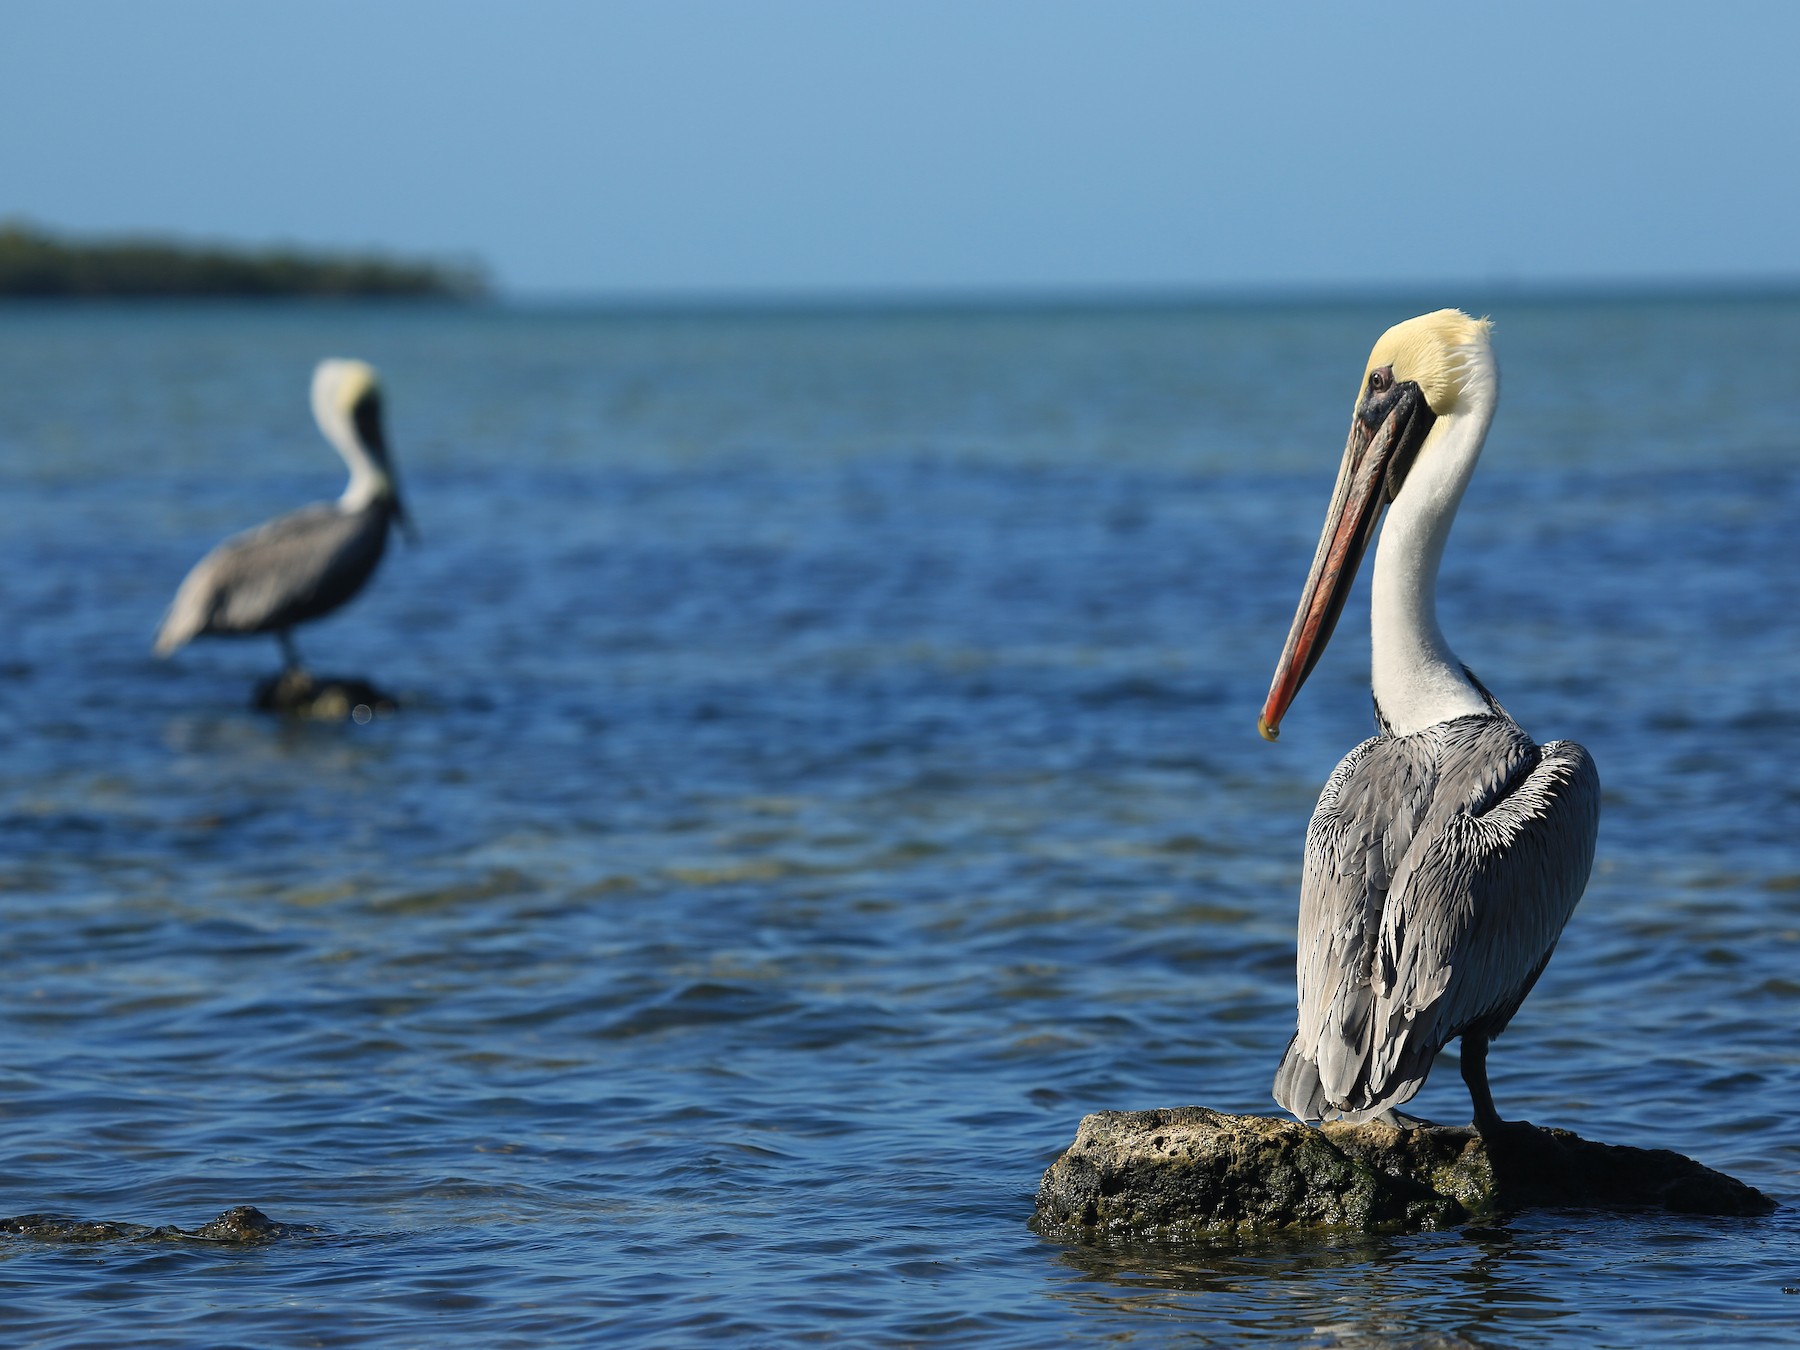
1301	1093
169	637
1297	1087
186	618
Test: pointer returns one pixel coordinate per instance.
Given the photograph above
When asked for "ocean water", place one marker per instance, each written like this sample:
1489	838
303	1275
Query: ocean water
827	769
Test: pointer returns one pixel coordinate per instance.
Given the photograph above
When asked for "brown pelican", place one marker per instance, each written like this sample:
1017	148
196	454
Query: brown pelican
305	564
1446	853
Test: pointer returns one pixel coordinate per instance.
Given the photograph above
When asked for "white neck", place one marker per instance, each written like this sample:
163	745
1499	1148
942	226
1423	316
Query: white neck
1417	679
369	480
368	485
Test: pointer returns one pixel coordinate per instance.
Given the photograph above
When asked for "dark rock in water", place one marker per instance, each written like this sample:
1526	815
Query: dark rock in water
1163	1173
57	1228
322	698
245	1225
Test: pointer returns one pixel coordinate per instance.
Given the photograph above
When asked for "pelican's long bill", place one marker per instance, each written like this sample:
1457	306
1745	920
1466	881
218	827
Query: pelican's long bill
1390	424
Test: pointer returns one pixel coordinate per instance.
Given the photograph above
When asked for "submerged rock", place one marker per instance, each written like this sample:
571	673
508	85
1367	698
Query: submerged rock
244	1224
1160	1173
322	698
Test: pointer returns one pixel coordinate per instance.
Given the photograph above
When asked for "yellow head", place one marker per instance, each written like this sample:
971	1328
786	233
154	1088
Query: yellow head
1436	352
340	385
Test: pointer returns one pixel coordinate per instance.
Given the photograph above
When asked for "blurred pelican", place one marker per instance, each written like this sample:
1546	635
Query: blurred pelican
305	564
1447	853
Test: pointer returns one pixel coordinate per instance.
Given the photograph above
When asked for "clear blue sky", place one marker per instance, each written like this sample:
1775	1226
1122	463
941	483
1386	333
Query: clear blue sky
804	146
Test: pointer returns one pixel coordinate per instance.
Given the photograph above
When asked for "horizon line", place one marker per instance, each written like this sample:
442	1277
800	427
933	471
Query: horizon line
1034	299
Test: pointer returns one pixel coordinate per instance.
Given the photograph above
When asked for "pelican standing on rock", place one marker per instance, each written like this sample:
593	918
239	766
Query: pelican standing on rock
1446	853
305	564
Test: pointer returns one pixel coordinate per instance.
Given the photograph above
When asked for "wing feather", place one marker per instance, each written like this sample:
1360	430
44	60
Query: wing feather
1440	870
291	569
1513	875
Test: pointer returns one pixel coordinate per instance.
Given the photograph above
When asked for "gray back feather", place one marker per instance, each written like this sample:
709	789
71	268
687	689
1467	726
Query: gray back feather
1440	870
265	580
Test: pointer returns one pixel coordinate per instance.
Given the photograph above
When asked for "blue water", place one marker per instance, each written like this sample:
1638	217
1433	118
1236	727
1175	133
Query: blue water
826	770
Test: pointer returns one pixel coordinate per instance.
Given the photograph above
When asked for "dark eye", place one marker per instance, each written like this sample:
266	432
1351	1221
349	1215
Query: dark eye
1380	380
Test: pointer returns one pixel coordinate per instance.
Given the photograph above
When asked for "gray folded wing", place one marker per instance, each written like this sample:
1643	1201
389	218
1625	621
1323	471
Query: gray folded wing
294	568
1440	870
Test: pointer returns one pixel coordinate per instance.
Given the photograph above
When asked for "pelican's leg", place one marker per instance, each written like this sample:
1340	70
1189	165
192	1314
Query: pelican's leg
1474	1073
289	653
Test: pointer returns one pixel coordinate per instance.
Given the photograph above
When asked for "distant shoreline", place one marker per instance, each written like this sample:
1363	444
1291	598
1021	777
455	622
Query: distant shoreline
38	264
43	266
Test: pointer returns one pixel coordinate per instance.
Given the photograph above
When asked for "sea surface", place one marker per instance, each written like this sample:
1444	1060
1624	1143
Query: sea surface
827	769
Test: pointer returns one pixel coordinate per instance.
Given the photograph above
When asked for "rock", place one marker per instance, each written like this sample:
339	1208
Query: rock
57	1228
322	698
1188	1169
243	1224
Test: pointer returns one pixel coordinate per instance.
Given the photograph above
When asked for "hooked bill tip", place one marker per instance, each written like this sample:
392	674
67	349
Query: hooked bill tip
1267	729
